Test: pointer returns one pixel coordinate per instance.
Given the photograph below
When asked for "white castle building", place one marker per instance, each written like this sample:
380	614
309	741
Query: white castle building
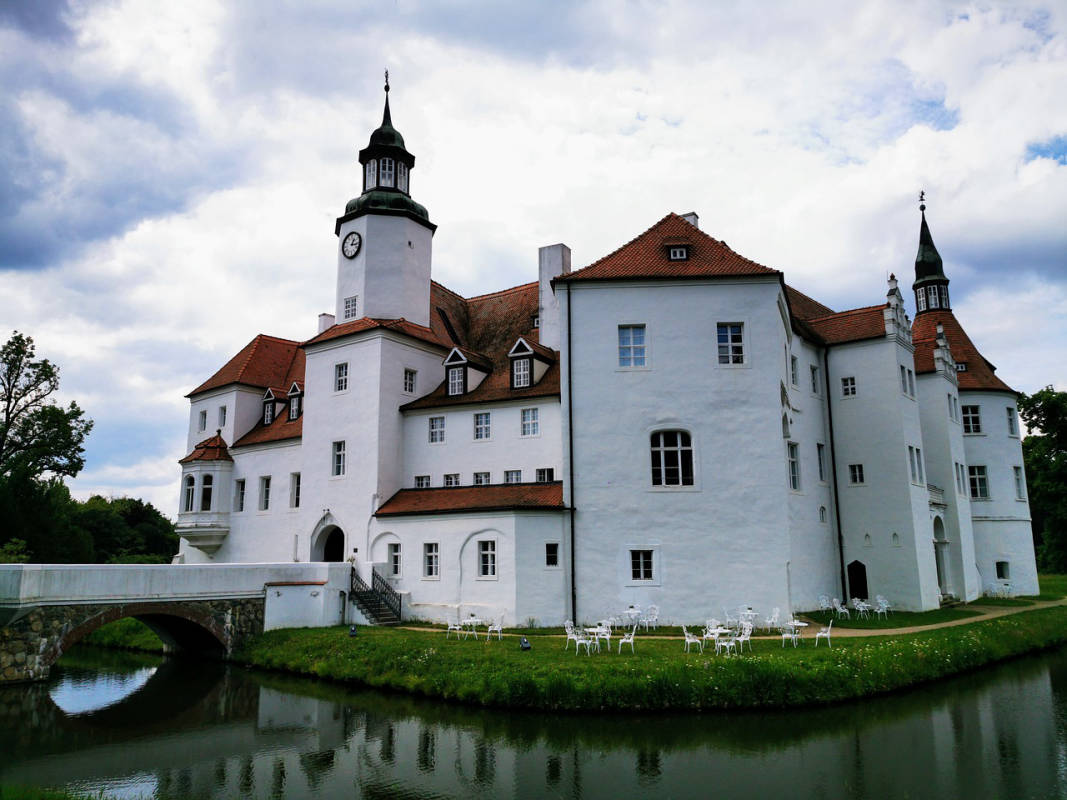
671	424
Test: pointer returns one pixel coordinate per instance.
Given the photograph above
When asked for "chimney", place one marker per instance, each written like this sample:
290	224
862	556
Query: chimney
325	321
692	219
552	261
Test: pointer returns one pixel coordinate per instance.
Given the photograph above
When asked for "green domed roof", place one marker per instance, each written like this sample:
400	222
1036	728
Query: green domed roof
386	135
385	200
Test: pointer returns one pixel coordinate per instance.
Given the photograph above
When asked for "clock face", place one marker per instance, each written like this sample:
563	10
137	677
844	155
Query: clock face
350	246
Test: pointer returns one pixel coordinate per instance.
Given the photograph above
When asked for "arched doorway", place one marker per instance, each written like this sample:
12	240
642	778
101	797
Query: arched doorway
329	545
940	545
857	579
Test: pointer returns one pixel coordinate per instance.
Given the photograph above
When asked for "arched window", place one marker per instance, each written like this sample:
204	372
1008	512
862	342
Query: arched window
190	493
205	493
822	513
369	174
672	458
387	172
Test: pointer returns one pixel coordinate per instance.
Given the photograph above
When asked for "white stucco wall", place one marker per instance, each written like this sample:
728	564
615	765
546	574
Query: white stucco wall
244	407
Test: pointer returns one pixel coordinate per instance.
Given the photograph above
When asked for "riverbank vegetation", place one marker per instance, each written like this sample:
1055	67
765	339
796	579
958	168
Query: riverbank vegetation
659	676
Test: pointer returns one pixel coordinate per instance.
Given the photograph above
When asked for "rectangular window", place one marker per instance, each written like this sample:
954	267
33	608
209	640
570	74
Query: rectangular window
205	493
481	478
338	459
848	387
979	483
855	474
1020	484
920	300
409	381
520	373
394	558
239	495
678	253
422	481
972	419
1013	424
268	412
546	474
437	430
551	554
911	464
486	559
1002	571
264	492
794	371
340	377
294	490
919	465
202	424
451	479
961	366
222	416
294	406
794	466
513	476
958	468
530	424
949	398
632	346
385	174
911	383
672	458
456	380
351	304
641	565
820	452
401	176
731	342
431	560
481	425
903	379
814	380
956	408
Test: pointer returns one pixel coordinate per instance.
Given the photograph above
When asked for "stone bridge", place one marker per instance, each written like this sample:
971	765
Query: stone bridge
200	608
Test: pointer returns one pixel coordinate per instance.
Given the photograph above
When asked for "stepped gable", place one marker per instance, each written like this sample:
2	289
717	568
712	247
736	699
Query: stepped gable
495	322
979	375
263	362
211	449
854	325
462	499
646	257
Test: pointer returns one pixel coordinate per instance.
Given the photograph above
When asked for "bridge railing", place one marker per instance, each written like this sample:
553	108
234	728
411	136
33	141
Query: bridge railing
388	594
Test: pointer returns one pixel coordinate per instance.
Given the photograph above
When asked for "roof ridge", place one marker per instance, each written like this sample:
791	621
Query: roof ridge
625	245
450	291
526	285
806	296
846	311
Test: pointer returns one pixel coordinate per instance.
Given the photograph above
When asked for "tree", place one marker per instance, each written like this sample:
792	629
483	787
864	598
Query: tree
1045	457
37	435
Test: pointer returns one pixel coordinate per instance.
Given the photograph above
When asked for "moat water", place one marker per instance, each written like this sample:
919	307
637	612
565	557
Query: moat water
137	726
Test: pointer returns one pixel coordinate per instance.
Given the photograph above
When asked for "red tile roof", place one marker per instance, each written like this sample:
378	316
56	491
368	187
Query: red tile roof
211	449
368	323
279	430
459	499
265	361
646	257
803	307
850	326
979	375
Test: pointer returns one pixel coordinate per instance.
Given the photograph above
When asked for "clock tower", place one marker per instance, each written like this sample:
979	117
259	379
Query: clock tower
385	238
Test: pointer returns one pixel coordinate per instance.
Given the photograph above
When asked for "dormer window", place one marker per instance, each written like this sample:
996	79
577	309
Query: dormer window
294	406
457	380
520	373
268	412
678	253
386	176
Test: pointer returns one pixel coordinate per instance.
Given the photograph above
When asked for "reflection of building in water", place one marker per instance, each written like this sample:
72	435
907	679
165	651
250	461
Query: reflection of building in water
977	737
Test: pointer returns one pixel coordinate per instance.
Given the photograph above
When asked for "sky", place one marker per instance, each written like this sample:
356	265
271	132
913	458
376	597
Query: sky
171	172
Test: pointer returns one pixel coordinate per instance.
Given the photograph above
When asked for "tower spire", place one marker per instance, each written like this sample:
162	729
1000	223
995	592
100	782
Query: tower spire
931	284
386	118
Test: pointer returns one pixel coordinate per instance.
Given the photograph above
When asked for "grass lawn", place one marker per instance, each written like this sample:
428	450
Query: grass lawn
1053	587
1003	601
896	619
659	676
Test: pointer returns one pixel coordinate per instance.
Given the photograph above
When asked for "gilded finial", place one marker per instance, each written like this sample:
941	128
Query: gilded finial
387	80
922	194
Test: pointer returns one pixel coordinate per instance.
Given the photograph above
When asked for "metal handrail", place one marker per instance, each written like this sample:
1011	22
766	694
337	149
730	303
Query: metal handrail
387	593
358	584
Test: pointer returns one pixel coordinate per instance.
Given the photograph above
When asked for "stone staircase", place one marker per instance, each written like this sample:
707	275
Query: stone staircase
379	603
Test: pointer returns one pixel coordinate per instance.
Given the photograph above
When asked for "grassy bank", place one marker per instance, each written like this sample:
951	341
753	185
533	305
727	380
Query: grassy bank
659	676
125	634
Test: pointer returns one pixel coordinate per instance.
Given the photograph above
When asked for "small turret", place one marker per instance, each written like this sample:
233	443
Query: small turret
931	285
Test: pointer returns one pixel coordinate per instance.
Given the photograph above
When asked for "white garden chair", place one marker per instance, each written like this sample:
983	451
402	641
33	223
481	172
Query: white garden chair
772	622
498	629
862	608
691	639
791	633
744	636
726	643
881	607
731	620
453	626
572	634
824	602
880	599
602	632
824	634
841	610
628	638
581	639
650	617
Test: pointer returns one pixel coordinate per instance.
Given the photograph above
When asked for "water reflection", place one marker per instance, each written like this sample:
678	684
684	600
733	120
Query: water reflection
195	729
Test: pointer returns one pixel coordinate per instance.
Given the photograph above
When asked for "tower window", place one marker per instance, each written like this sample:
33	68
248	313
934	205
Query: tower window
387	172
979	483
944	297
972	419
409	381
401	176
931	296
205	493
351	305
203	421
369	175
920	299
190	493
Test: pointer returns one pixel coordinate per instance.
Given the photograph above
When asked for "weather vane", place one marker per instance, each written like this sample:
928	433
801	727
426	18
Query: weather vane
387	80
922	194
